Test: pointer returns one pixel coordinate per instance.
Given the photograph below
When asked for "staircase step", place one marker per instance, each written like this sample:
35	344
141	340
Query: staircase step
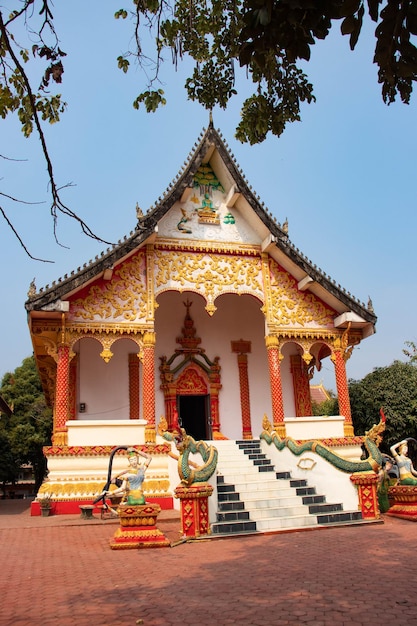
225	488
238	465
313	499
298	483
233	528
305	491
249	477
248	443
340	518
231	506
283	475
279	513
290	522
324	508
258	488
228	497
257	503
231	516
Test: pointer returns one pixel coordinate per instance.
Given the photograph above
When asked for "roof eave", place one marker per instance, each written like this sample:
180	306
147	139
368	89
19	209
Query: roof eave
68	286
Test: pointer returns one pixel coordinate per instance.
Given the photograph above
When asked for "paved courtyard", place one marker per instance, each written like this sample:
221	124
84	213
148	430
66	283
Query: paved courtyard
60	571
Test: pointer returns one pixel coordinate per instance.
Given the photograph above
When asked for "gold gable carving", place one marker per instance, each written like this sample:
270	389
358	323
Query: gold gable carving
123	298
211	274
290	307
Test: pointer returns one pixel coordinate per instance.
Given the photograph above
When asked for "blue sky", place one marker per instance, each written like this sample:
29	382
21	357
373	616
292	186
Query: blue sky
345	176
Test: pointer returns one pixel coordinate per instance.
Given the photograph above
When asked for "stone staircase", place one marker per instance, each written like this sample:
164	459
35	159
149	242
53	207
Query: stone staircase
253	497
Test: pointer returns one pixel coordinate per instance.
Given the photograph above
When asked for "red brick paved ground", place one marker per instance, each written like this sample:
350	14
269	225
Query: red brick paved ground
61	571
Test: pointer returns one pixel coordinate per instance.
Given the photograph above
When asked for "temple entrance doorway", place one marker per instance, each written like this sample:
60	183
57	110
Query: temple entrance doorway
194	415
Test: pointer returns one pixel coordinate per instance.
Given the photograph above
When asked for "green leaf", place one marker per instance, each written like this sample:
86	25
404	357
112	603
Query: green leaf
123	63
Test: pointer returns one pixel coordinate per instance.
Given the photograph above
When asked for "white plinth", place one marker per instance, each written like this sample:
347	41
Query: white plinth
314	427
106	432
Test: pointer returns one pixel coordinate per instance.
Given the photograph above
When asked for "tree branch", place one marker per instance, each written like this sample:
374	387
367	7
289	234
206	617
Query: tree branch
19	238
57	206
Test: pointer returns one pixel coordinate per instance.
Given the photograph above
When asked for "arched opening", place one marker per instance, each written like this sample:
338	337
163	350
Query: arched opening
193	403
98	387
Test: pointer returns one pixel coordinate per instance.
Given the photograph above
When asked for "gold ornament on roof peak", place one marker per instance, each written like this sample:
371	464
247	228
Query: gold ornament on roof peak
139	212
32	289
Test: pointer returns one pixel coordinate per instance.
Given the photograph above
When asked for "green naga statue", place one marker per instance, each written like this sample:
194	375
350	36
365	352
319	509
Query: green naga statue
373	438
189	472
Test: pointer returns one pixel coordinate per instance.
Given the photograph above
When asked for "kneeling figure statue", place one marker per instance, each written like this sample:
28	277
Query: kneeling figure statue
132	479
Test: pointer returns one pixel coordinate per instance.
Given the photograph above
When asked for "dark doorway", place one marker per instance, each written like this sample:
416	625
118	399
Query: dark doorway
193	414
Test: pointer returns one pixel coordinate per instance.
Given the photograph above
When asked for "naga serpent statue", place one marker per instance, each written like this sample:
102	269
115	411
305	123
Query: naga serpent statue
189	472
373	438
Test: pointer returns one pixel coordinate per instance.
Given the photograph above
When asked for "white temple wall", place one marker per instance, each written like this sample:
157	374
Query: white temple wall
236	317
103	387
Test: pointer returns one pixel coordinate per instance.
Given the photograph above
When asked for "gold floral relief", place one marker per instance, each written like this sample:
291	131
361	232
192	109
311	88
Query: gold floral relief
290	307
122	298
212	274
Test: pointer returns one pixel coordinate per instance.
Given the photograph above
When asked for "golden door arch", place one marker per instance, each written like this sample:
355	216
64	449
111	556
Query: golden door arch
194	395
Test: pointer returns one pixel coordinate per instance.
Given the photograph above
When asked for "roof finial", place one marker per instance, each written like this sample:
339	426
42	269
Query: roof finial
211	118
32	289
139	212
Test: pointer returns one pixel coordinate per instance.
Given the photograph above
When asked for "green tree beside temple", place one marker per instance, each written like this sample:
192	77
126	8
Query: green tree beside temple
28	429
394	388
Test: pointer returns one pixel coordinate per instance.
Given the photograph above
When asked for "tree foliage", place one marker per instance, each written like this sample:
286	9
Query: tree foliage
410	351
394	388
29	428
327	407
269	39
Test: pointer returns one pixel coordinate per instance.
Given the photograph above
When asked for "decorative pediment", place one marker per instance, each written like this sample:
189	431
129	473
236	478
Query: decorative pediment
122	298
291	307
191	382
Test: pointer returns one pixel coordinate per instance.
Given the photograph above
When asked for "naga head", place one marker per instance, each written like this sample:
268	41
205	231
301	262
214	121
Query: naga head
375	433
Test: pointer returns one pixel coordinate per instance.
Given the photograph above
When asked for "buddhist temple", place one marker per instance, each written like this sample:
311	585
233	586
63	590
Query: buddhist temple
206	315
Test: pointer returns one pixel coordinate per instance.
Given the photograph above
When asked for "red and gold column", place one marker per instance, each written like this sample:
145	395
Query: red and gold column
340	355
134	402
214	412
301	384
171	413
242	348
148	385
274	362
215	386
194	509
366	484
61	412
